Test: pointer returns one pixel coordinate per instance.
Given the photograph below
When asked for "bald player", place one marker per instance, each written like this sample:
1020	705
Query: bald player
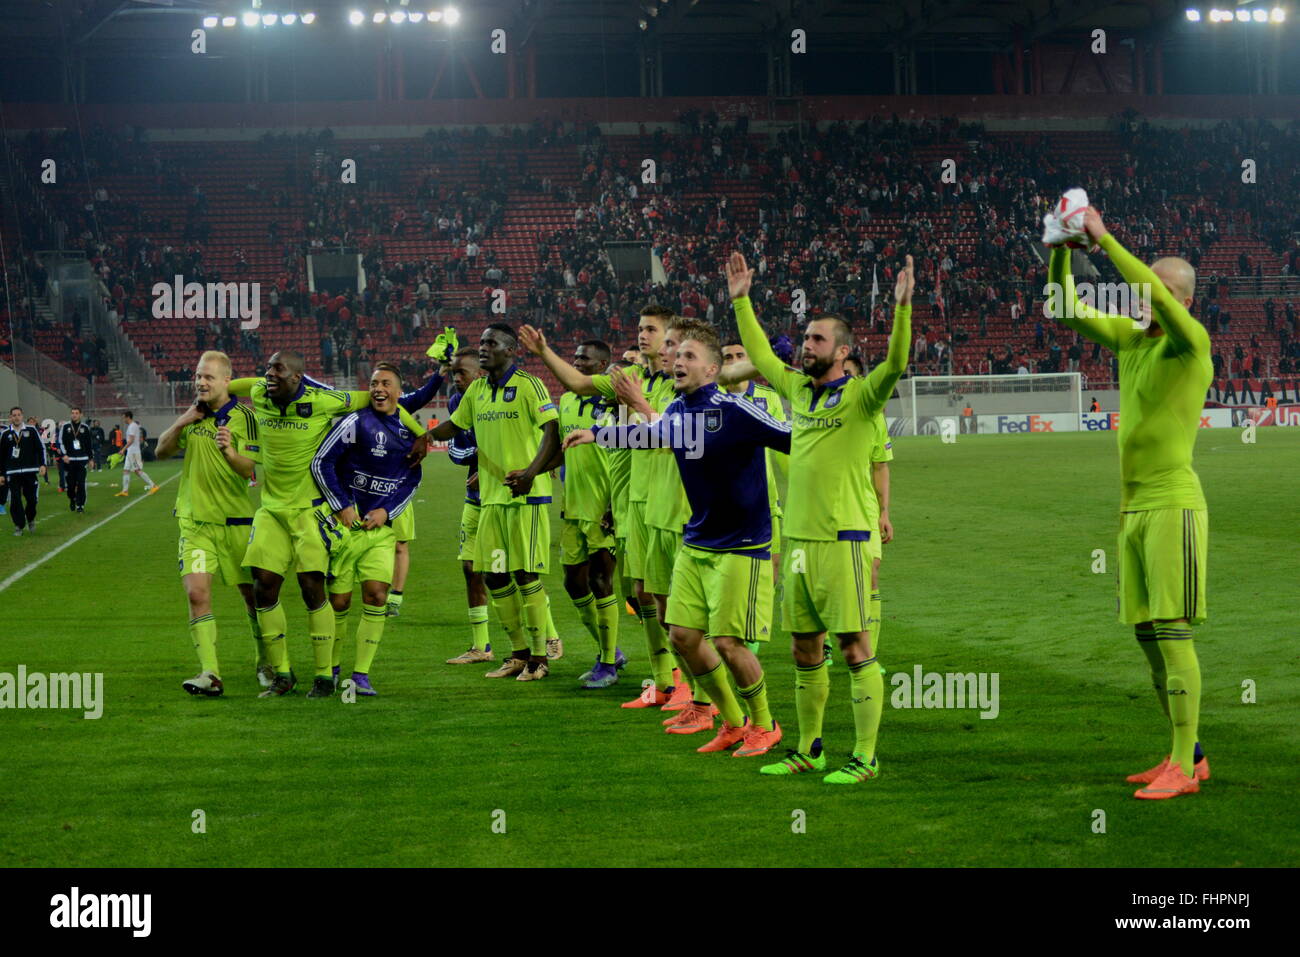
1164	372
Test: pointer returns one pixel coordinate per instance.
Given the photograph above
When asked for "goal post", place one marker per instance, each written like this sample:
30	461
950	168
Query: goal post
931	405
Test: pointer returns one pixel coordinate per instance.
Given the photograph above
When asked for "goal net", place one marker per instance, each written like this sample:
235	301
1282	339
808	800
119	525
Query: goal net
931	405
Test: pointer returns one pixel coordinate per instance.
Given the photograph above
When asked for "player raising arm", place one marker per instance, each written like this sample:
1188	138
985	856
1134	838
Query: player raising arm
1164	372
721	585
828	522
518	433
293	417
362	469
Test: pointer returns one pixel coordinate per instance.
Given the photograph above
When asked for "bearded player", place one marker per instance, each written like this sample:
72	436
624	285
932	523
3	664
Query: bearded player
828	523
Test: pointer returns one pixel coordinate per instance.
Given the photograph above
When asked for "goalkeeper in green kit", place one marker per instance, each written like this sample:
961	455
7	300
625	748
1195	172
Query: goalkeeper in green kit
1164	372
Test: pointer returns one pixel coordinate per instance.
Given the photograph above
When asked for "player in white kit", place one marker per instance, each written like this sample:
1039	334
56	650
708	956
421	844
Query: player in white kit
133	460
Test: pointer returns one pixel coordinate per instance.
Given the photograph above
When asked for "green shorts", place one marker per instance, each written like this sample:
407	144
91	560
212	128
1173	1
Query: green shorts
620	575
292	540
364	556
776	535
468	531
722	594
1162	561
404	524
660	556
580	540
875	547
512	538
827	586
207	548
635	535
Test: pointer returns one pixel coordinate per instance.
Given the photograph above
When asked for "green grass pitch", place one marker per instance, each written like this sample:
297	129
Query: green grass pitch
991	572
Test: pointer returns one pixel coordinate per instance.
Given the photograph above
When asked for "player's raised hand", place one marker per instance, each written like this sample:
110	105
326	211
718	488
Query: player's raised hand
1093	225
905	284
739	276
224	439
532	339
578	437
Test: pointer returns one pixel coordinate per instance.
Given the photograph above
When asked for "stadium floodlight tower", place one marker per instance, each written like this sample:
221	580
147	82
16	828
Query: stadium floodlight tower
933	405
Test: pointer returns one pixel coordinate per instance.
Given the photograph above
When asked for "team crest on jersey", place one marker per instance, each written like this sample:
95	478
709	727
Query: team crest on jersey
712	420
509	394
761	403
378	450
833	399
304	410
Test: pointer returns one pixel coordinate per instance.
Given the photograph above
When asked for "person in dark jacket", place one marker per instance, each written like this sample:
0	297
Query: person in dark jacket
73	444
22	462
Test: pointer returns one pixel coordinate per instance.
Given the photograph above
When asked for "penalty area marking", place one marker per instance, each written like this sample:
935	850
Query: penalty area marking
27	569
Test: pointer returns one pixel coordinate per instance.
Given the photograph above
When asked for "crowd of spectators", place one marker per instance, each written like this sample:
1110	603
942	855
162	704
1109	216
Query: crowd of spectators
825	214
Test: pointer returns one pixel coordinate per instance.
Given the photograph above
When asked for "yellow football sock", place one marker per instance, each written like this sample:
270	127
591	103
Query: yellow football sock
812	686
273	624
533	597
656	642
203	632
868	691
369	631
719	687
607	627
1183	685
320	624
755	697
478	627
257	638
1146	636
586	606
506	602
551	630
340	630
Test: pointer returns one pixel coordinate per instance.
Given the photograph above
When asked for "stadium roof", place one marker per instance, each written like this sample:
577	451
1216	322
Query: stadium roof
119	25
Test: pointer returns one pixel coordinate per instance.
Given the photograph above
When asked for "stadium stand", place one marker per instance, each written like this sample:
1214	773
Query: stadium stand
447	218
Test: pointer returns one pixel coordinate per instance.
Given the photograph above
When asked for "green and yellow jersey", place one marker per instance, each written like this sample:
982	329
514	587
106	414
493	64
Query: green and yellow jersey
210	490
882	451
658	391
834	428
620	477
586	470
507	417
291	433
770	402
1163	382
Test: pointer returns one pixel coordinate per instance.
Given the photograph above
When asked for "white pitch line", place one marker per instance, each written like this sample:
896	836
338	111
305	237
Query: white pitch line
23	572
